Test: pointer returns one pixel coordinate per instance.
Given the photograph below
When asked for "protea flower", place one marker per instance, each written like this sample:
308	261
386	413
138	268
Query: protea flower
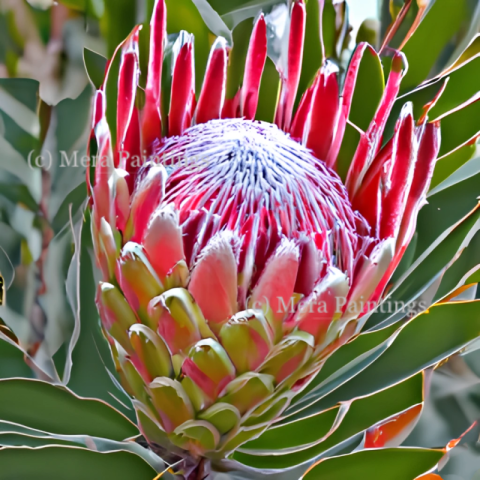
235	260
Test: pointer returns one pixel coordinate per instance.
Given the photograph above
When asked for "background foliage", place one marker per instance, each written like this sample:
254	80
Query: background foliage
45	101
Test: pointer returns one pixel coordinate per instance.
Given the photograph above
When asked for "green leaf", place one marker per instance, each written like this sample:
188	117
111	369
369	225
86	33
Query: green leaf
234	12
23	440
391	463
345	363
117	22
327	429
7	270
213	20
460	87
312	53
422	342
184	15
12	360
460	273
19	102
237	57
449	164
460	127
18	194
438	216
75	4
71	464
45	407
89	373
366	99
441	22
269	89
95	64
93	443
426	269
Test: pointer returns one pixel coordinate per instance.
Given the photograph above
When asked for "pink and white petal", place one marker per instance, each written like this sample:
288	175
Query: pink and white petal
122	199
276	284
104	170
149	191
310	267
213	282
363	292
316	312
163	241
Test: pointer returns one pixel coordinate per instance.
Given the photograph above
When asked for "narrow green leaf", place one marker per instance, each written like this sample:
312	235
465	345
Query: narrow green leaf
460	273
234	12
45	407
269	89
441	22
449	164
91	369
18	194
68	463
12	360
424	341
213	20
460	127
345	363
460	87
361	415
95	64
366	99
117	22
405	294
238	55
23	440
392	463
312	53
292	436
7	270
184	15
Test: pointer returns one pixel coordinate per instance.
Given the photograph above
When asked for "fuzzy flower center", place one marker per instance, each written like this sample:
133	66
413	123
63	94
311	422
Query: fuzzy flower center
249	176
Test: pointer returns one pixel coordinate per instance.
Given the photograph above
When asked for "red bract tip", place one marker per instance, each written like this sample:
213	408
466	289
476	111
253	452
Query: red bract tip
324	112
183	90
256	58
346	101
427	155
291	77
211	99
370	141
127	89
399	180
152	121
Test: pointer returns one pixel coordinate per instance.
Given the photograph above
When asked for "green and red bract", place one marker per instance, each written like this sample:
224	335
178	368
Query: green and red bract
234	259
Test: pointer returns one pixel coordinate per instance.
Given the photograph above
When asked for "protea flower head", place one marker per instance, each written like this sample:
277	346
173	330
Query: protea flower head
234	258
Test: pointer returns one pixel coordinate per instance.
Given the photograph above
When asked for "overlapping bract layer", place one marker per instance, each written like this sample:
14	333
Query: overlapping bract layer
234	260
